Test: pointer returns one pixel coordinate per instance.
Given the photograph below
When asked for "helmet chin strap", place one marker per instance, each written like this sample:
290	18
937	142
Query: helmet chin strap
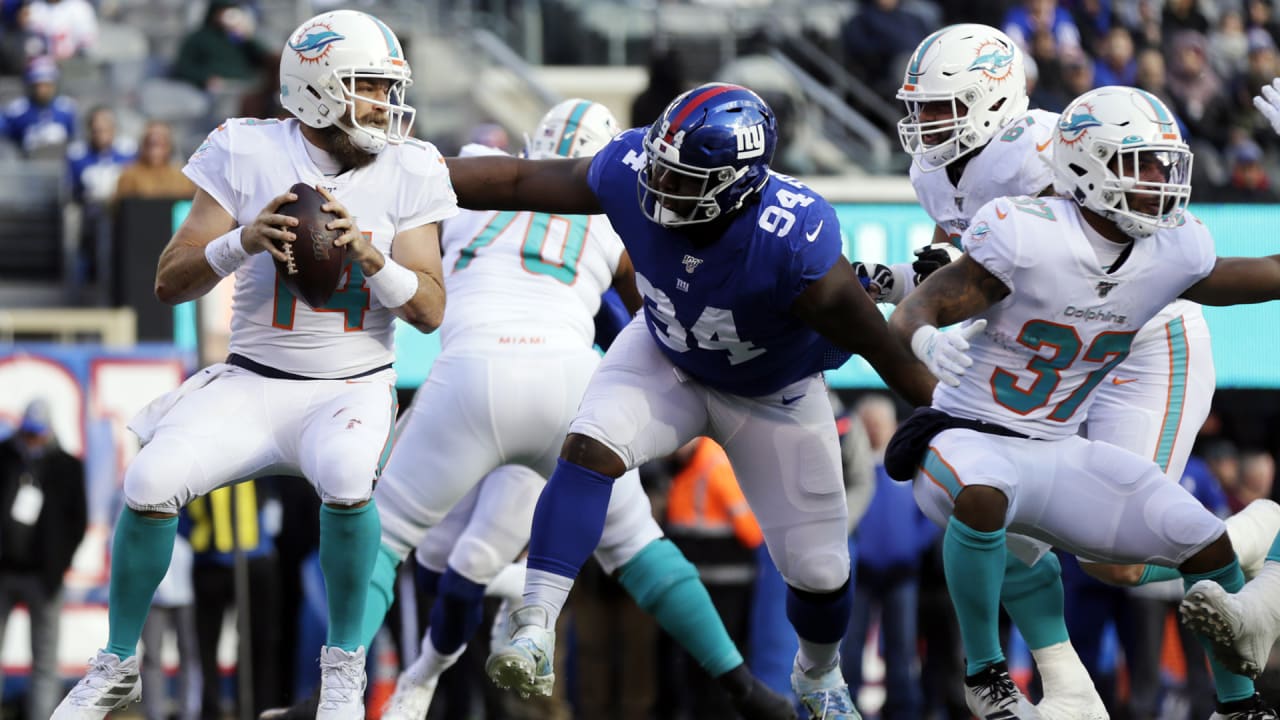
362	137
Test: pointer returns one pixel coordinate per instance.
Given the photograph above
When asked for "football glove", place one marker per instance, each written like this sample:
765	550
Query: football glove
945	352
931	257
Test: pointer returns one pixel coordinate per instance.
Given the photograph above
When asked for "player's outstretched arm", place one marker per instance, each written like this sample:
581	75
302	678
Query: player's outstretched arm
1238	281
624	281
493	182
837	307
210	245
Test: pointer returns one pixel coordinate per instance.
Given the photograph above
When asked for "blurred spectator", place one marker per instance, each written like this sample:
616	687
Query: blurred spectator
1224	461
1115	64
1257	476
876	38
43	120
1093	18
1198	97
264	100
222	48
1077	75
1148	32
1023	21
708	519
172	609
1050	90
230	520
71	26
1151	76
891	540
1260	14
42	491
94	164
1262	64
1183	15
1248	178
154	174
20	43
490	135
1228	44
666	81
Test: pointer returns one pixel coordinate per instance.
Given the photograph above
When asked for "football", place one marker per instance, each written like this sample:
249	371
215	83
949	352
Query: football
315	265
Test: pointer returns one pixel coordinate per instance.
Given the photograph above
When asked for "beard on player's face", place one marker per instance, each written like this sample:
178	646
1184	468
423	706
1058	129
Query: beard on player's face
343	150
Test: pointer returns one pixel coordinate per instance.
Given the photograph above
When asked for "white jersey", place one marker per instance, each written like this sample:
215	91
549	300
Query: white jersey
1014	163
1066	322
531	278
244	164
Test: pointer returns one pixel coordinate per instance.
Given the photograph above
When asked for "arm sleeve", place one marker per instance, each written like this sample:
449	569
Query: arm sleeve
816	244
430	198
212	166
992	241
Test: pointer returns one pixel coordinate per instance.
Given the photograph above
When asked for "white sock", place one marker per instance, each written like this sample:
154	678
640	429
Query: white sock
431	663
508	583
817	656
1060	668
548	591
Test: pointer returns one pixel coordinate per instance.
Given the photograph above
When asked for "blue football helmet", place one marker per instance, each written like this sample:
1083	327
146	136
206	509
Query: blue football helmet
707	153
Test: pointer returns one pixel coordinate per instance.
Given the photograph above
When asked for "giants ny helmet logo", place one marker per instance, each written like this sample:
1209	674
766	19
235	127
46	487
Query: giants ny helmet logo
750	141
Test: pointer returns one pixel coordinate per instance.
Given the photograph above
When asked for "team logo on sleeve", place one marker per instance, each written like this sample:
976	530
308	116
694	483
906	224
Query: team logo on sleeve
314	42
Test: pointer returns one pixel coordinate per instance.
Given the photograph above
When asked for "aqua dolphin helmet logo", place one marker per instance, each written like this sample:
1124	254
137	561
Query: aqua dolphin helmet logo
1072	128
314	42
993	59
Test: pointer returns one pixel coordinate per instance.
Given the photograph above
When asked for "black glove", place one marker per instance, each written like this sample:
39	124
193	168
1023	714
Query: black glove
931	257
876	279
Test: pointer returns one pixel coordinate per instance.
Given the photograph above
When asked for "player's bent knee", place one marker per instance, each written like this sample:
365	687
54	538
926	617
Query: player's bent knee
981	507
345	483
476	560
159	480
818	570
592	454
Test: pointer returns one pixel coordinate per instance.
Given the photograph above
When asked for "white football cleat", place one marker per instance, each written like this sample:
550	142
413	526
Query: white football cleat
110	684
1240	627
991	695
411	700
342	683
526	661
824	696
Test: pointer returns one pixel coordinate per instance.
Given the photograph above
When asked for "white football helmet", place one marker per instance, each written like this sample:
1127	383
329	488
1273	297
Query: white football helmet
574	128
322	61
1105	138
980	72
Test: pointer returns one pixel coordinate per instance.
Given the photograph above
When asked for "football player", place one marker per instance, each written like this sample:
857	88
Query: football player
516	357
1057	290
747	299
308	391
1229	619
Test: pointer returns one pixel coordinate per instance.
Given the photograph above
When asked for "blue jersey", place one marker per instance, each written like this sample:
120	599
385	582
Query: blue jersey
721	312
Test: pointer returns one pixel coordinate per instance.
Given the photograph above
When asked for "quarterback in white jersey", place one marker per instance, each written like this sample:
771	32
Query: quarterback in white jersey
306	391
1057	289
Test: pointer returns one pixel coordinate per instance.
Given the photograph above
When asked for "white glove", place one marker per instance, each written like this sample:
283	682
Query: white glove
1269	104
945	352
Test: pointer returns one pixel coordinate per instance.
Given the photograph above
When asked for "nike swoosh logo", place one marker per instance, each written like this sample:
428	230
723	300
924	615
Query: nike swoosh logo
1122	381
1001	215
789	400
814	235
1041	147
